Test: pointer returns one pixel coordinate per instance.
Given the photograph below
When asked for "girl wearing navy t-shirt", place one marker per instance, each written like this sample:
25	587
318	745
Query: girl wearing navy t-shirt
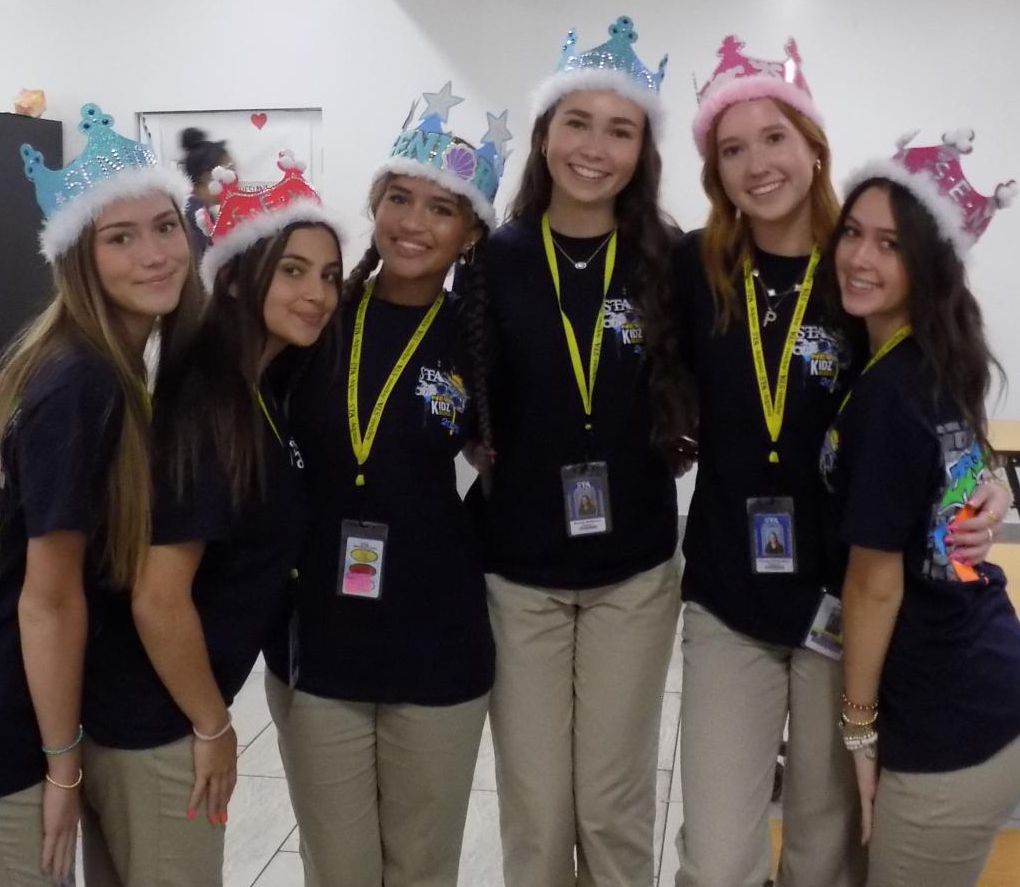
380	693
74	465
770	373
931	707
228	519
579	510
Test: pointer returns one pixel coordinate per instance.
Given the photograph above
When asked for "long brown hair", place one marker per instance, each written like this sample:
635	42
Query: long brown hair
211	384
649	236
727	241
943	313
473	315
79	313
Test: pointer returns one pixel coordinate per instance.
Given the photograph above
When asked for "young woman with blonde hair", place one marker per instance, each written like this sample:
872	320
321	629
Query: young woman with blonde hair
74	464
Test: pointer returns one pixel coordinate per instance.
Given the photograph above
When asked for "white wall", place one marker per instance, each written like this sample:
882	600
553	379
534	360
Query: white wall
877	68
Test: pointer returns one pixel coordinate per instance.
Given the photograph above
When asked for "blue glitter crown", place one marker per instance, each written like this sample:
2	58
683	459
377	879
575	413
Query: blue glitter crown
616	54
111	167
430	150
106	153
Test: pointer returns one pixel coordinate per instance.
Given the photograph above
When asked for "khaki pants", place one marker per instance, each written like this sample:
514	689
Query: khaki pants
936	829
575	725
736	695
380	791
21	839
135	827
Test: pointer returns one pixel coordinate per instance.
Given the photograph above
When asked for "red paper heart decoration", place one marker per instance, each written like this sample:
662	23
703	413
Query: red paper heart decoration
259	120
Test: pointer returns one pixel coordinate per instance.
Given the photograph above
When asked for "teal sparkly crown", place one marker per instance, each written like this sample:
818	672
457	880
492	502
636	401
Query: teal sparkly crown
110	167
616	54
430	150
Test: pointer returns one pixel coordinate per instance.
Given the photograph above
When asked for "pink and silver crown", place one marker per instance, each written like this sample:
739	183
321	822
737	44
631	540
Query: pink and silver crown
247	215
740	78
934	175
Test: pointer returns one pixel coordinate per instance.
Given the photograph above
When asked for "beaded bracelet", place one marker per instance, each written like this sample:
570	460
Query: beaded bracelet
873	706
74	784
53	752
853	743
867	723
213	736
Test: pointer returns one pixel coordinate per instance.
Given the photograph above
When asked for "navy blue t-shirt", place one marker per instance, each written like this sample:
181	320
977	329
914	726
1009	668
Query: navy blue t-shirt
54	459
426	640
539	420
899	467
242	592
734	445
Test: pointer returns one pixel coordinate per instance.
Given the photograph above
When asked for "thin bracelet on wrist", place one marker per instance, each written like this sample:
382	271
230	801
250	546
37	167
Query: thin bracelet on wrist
857	706
74	784
214	736
53	752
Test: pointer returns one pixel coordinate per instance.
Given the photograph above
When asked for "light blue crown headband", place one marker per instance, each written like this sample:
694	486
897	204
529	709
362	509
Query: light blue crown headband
110	168
430	151
612	65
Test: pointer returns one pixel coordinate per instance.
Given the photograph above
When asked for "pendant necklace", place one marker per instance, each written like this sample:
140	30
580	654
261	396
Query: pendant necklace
580	266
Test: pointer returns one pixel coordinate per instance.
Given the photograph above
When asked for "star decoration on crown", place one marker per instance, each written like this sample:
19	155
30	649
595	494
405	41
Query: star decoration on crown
439	103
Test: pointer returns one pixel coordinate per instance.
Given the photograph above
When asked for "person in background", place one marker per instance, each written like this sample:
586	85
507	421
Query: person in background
201	157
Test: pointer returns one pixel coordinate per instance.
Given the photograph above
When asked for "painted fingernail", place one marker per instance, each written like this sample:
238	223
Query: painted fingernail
225	818
191	814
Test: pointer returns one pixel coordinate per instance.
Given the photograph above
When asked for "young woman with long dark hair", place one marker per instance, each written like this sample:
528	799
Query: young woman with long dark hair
380	692
74	464
229	517
931	702
770	372
578	506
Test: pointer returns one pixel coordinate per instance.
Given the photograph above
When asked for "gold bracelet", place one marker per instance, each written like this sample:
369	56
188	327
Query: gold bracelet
74	784
867	723
857	706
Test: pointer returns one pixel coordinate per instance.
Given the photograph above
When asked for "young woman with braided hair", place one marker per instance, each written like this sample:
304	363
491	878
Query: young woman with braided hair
381	693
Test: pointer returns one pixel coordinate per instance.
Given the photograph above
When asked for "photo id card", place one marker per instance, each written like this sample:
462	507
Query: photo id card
362	553
825	635
770	524
586	498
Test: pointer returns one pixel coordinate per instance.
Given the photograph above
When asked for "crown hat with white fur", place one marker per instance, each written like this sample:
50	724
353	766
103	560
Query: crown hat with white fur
110	168
246	216
740	78
934	175
429	151
613	65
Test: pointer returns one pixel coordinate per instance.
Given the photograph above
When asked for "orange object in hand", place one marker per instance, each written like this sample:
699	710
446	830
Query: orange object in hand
965	572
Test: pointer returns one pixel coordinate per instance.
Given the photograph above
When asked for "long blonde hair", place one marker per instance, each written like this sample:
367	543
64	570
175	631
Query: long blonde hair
727	237
80	313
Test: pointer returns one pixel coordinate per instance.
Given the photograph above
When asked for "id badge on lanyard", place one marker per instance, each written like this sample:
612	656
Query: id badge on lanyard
773	542
586	506
586	498
362	558
825	635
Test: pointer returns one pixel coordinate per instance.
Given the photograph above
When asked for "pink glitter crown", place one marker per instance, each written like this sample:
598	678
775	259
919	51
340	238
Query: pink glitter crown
934	175
739	78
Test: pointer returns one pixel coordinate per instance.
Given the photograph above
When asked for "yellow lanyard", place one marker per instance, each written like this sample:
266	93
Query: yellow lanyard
774	408
363	446
265	412
902	333
146	402
587	389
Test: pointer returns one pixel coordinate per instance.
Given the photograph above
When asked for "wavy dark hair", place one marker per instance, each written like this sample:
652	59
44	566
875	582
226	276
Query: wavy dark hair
473	315
944	314
649	236
210	386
